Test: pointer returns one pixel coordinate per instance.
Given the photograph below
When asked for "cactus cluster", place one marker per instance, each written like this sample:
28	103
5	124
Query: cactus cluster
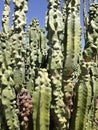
46	81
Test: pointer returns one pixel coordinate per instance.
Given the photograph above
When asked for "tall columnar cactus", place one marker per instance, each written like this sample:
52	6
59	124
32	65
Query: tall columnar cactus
12	71
5	18
41	101
91	46
54	28
85	98
36	52
46	83
8	97
18	28
72	44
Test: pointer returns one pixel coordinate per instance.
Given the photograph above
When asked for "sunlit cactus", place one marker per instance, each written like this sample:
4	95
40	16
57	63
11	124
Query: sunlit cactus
46	81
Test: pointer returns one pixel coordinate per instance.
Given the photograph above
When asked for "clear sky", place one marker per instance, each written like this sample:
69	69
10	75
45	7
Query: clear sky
37	9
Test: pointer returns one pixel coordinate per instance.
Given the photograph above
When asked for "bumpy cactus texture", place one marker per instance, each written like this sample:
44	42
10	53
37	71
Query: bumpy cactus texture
46	81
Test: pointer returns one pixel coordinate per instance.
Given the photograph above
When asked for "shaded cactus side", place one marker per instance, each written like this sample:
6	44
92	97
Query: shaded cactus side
82	99
36	53
91	46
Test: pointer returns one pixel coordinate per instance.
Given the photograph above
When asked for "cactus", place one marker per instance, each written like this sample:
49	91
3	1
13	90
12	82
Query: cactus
41	101
91	51
46	81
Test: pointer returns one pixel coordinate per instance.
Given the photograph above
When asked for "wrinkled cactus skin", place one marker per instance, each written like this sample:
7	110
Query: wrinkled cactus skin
46	81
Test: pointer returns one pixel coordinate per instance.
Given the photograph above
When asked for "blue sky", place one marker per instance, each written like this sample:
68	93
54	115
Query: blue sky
37	10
